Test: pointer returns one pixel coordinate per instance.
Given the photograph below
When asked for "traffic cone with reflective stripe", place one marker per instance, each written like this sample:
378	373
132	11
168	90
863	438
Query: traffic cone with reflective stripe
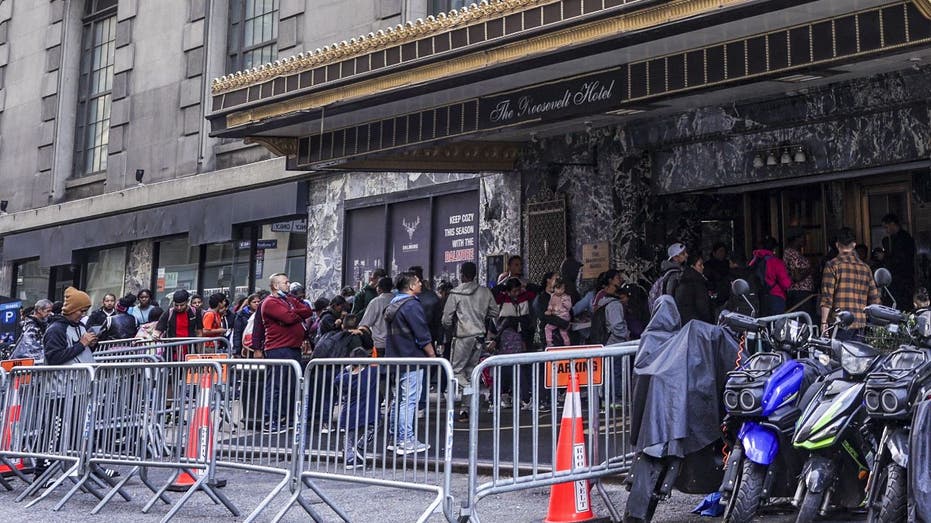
12	417
571	502
199	434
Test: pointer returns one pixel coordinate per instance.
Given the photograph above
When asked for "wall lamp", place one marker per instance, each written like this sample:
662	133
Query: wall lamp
780	156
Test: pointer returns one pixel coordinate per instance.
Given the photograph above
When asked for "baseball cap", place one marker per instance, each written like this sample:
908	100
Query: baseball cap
181	296
674	250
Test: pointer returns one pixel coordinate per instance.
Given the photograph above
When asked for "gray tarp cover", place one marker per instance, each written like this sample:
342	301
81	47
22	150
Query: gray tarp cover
919	463
679	377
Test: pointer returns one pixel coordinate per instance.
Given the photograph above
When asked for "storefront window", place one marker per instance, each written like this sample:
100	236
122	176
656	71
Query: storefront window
31	283
226	269
106	271
281	247
177	268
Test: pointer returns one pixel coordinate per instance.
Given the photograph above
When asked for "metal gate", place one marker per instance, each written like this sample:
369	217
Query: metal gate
546	236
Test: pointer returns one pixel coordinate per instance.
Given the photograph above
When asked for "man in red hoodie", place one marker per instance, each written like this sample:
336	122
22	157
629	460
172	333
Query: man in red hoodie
283	317
775	278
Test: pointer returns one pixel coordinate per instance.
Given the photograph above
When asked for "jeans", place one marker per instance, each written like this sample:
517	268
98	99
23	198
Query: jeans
277	406
772	305
404	409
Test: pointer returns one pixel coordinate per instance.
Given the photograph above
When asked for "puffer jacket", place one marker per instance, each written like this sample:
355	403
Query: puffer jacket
30	343
120	326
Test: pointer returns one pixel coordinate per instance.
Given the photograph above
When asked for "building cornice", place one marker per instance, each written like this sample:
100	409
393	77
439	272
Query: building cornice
924	6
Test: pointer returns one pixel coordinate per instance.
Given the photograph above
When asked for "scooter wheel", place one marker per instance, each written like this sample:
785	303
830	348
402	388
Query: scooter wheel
892	506
746	499
810	507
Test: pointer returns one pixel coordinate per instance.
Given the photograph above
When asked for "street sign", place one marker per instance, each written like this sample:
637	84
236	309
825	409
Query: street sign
564	368
192	376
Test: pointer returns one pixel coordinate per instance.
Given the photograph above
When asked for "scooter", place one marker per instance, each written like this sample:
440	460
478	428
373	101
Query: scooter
833	429
893	391
762	398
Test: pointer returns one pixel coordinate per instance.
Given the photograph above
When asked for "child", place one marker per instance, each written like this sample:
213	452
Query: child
922	303
560	306
358	387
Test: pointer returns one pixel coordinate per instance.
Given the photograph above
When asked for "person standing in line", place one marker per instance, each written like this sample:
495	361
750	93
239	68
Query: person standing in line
900	260
368	293
215	322
143	306
847	285
181	321
800	270
67	341
242	320
692	298
106	310
469	308
408	337
122	325
283	317
373	320
197	303
30	341
774	278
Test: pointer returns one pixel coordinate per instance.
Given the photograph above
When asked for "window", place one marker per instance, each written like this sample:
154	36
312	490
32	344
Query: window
253	33
105	270
281	247
445	6
177	268
226	269
30	283
98	50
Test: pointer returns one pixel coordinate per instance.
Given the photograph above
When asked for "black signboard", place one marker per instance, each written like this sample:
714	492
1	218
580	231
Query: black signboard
9	319
365	245
455	234
584	95
410	235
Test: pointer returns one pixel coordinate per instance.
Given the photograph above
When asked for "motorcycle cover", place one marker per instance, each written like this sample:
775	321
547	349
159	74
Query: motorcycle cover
679	377
919	464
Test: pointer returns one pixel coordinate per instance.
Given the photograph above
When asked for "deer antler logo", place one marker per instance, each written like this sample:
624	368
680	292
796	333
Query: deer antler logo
411	227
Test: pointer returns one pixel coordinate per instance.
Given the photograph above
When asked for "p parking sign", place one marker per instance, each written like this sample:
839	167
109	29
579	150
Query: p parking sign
9	317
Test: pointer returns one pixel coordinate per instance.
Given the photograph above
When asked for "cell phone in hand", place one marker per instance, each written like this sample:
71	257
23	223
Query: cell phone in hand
95	330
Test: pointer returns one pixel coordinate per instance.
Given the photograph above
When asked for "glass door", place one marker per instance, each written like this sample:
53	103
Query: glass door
880	200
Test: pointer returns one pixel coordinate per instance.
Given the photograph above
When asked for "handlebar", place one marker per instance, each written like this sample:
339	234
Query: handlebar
789	316
884	314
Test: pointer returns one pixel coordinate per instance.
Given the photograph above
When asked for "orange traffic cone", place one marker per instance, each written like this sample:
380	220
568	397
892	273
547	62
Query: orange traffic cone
571	502
13	413
199	435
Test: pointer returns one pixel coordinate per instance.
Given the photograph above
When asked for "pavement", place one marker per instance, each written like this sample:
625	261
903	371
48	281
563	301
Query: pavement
361	503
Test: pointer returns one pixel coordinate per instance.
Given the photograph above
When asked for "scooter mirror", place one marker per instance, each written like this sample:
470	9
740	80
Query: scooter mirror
740	287
845	318
883	277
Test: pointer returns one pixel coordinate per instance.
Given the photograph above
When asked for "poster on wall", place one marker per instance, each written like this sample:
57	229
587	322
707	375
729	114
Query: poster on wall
410	235
365	244
596	258
455	234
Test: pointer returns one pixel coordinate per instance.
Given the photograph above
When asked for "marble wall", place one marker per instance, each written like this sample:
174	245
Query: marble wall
627	184
6	278
499	216
139	266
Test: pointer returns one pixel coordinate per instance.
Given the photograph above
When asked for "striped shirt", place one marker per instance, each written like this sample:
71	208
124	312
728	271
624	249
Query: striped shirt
847	285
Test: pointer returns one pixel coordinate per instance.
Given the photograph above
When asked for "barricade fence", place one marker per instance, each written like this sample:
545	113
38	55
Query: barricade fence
529	398
168	349
387	422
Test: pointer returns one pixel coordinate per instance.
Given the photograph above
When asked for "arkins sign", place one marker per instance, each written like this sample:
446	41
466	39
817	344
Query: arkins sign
584	95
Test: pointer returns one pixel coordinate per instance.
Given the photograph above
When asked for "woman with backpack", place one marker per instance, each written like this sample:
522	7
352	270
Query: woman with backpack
242	319
770	276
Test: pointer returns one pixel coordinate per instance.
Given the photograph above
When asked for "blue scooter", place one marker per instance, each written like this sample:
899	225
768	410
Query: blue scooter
762	398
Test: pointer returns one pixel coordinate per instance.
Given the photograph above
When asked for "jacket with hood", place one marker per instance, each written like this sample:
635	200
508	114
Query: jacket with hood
30	342
692	297
614	319
468	309
63	341
672	271
239	327
374	319
408	332
777	276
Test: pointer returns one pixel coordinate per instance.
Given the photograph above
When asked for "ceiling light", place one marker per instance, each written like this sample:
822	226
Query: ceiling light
771	158
786	158
757	161
800	156
800	78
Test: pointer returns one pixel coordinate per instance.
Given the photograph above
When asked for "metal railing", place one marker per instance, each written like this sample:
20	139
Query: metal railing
363	427
169	349
525	399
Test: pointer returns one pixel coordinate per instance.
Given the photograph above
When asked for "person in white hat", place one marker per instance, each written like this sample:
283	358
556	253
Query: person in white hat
671	271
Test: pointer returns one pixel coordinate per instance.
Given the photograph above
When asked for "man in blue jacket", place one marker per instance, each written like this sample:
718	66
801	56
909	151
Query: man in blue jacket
408	337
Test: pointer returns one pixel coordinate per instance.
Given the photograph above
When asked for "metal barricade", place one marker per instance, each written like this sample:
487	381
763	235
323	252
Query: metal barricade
362	426
155	415
115	344
519	441
260	421
169	349
128	358
46	417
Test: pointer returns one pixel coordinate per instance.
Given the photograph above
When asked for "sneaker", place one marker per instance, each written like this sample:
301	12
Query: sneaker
326	429
355	463
506	401
411	447
421	413
272	428
544	407
526	405
110	473
463	417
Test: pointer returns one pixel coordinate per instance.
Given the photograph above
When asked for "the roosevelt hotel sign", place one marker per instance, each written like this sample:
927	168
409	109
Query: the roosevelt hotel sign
584	95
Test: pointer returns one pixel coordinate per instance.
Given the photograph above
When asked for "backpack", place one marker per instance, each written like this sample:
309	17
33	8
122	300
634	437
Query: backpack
661	287
757	277
334	344
598	333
